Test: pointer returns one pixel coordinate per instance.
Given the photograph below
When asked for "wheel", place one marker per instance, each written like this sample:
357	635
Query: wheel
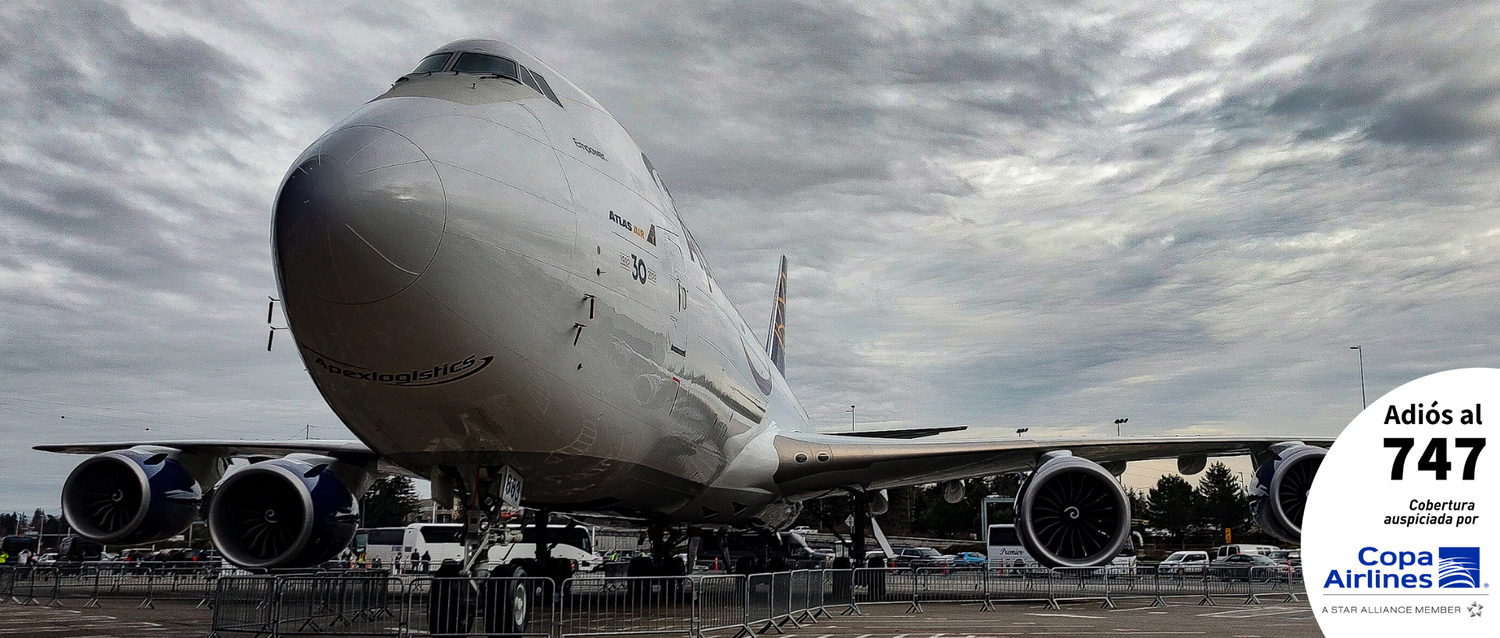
507	601
449	607
639	567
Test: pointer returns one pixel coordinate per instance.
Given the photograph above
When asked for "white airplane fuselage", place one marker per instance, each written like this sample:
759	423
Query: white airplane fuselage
477	275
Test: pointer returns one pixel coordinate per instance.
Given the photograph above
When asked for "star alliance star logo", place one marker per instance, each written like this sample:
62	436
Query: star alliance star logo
1475	609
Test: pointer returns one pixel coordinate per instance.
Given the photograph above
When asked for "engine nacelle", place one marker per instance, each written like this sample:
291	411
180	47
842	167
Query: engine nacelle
1278	492
128	497
1072	513
879	502
290	512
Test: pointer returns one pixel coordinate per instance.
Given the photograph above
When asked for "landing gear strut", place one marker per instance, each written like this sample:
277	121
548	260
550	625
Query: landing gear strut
499	599
663	560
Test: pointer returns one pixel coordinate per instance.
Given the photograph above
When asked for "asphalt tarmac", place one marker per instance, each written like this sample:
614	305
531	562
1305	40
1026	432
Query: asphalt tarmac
120	619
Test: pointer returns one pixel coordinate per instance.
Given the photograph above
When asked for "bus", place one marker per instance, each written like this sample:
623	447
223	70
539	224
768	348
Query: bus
394	546
1004	549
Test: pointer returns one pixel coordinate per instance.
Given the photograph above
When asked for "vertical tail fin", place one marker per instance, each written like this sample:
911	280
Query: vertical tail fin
776	335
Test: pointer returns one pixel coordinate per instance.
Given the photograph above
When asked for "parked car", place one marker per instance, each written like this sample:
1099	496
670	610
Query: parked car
1246	567
920	557
970	559
1184	563
804	530
1287	557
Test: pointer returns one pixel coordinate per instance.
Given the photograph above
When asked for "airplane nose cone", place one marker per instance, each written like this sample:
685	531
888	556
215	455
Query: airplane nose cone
359	218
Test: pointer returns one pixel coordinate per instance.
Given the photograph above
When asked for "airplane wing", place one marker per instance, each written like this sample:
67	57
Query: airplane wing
353	451
885	463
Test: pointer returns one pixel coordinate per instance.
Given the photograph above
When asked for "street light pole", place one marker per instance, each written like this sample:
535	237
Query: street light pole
1117	425
1363	403
851	418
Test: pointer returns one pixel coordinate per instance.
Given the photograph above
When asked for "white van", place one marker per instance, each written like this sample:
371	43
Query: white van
1225	551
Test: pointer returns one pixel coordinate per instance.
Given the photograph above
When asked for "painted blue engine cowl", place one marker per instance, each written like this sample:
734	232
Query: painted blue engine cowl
127	497
282	513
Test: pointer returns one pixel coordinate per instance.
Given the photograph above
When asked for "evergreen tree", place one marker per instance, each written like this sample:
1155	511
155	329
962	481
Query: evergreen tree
1173	506
8	524
389	501
1224	501
1139	505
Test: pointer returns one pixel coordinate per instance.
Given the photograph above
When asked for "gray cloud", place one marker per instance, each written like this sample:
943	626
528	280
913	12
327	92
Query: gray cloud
997	214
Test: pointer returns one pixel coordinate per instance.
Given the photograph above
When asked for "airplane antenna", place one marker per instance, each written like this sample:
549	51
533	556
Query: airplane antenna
270	312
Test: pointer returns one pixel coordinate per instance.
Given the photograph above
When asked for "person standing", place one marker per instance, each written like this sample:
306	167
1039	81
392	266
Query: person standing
416	559
426	561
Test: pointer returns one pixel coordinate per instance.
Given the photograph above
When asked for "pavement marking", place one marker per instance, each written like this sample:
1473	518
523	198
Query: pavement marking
1251	613
1058	616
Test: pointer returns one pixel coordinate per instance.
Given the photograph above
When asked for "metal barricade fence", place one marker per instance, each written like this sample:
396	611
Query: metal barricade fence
374	603
759	601
629	605
719	604
1019	583
479	606
950	585
878	585
245	604
337	605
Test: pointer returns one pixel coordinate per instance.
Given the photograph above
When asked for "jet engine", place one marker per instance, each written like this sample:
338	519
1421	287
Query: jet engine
1072	513
128	497
1278	492
296	511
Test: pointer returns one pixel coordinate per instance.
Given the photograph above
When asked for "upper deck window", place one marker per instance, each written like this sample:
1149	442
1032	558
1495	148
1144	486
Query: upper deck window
432	63
481	63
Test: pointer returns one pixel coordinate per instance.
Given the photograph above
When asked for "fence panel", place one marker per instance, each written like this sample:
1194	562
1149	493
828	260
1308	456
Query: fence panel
719	603
951	585
338	605
244	604
877	585
631	605
479	606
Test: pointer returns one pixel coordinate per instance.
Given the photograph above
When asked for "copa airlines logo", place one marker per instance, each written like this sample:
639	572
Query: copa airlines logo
445	372
1456	568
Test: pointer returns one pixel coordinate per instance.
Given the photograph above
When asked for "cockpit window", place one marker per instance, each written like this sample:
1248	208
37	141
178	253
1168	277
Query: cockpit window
546	89
488	64
530	81
432	63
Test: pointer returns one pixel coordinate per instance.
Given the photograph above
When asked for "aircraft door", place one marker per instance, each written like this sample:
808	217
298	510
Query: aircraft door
678	317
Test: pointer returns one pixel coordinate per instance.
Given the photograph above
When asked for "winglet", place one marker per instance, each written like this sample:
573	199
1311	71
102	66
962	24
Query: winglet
776	335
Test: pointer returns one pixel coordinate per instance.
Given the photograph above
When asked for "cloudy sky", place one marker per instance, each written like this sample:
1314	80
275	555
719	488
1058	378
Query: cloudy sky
1000	215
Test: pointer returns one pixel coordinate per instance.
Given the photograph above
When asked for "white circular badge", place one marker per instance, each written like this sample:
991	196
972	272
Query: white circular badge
1400	532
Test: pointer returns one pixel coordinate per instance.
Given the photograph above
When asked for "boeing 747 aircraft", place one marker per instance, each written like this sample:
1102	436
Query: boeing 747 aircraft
491	287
